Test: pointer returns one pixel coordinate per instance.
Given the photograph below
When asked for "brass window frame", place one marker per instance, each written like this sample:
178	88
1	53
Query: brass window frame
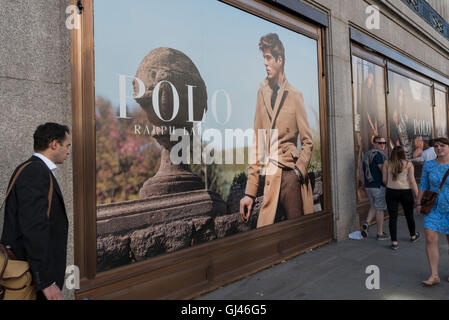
208	264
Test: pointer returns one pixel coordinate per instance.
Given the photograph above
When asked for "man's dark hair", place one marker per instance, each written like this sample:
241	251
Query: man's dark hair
376	138
427	140
46	133
442	140
271	41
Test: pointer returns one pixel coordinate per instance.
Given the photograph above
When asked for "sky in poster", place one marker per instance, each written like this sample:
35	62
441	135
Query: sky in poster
221	40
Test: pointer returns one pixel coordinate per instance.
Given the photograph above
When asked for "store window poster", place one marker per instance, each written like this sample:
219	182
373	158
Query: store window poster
207	125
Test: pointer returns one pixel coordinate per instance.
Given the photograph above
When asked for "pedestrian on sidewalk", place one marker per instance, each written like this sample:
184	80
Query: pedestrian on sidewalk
398	175
429	151
36	225
372	164
437	221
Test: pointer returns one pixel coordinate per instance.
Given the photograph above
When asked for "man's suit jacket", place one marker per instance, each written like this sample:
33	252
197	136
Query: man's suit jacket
289	118
32	236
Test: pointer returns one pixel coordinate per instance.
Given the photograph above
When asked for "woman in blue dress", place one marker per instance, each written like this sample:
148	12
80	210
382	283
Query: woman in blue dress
437	221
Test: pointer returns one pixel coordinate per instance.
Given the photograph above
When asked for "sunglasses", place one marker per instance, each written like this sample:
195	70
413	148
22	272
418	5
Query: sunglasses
381	142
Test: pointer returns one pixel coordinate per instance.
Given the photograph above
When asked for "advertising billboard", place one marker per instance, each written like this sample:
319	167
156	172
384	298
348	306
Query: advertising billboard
207	125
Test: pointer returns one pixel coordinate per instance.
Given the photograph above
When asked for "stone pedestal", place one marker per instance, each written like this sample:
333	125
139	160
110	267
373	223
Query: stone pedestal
170	178
175	96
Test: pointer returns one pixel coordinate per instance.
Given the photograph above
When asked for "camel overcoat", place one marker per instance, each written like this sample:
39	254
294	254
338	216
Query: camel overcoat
281	127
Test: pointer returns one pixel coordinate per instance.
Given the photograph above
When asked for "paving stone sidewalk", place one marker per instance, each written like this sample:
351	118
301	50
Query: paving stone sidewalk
338	271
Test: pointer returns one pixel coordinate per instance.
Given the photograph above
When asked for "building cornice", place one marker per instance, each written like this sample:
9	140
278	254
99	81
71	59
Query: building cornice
430	15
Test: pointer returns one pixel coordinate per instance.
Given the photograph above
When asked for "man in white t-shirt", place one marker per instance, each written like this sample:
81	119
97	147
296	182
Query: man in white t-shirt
428	153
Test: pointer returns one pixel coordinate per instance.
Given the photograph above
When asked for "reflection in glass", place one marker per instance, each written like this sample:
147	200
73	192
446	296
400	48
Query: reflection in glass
410	113
369	111
440	114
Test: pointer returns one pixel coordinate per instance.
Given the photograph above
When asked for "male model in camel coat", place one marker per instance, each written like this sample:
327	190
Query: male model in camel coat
281	114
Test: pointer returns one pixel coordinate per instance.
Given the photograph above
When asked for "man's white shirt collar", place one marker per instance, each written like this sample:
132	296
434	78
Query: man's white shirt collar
50	164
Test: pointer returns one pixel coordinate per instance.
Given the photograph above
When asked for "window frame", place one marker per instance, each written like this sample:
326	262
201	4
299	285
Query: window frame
206	266
368	49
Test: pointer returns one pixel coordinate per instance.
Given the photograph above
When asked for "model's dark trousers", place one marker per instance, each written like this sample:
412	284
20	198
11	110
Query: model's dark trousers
290	201
405	198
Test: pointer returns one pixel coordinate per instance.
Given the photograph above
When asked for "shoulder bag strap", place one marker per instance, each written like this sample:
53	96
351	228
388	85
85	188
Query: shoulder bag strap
50	192
5	253
444	180
12	183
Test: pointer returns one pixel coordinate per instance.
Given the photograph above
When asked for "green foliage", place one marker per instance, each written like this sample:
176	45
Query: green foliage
214	175
240	178
124	160
314	166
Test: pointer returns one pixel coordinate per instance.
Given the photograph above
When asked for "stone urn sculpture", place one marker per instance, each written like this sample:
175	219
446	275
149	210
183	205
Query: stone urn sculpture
171	81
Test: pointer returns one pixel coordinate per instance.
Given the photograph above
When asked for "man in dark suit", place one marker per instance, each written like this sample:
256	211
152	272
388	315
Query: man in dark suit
28	231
